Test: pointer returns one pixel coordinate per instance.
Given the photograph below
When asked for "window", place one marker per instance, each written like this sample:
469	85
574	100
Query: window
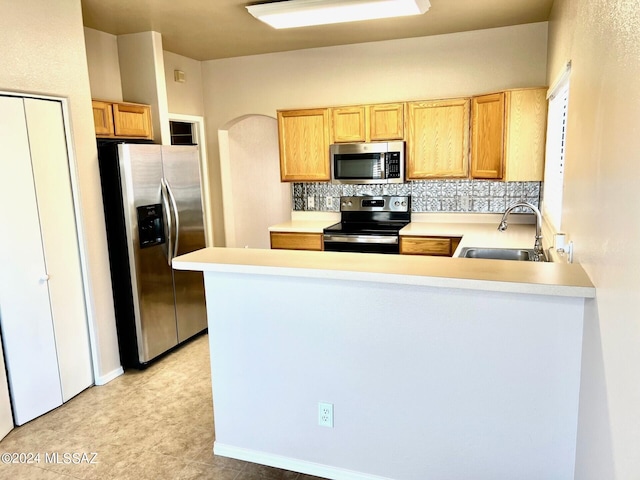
555	152
181	133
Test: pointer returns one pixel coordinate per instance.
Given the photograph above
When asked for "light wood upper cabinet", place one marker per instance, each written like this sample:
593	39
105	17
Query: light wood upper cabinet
304	145
103	118
487	136
525	135
367	123
386	121
131	120
348	124
438	139
122	120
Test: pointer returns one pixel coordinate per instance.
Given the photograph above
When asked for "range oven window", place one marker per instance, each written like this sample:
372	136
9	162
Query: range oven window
359	165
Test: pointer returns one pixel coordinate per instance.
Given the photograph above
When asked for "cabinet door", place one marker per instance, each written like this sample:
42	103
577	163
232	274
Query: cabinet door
348	124
386	122
131	120
487	136
102	118
438	139
296	241
27	327
438	246
304	145
525	136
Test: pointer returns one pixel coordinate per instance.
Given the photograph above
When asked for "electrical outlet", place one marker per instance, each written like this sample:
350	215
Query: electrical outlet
329	202
325	414
464	203
311	202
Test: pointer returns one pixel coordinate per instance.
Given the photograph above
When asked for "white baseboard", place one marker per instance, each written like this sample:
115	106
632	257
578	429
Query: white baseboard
287	463
104	379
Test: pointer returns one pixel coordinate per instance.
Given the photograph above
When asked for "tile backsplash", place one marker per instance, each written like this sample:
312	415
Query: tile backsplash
467	196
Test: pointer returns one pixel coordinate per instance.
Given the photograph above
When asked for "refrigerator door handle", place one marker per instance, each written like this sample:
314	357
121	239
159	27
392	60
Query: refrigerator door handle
167	208
177	217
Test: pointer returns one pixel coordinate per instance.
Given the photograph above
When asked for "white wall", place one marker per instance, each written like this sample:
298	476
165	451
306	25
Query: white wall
142	76
184	98
104	69
254	198
418	68
43	52
600	213
427	383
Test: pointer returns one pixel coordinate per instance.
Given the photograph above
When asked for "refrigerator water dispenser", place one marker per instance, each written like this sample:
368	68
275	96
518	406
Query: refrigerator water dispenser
150	225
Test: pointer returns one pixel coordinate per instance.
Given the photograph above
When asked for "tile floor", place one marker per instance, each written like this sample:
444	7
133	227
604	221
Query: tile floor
154	424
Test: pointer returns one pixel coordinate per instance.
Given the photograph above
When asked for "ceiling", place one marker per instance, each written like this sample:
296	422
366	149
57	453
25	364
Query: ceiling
212	29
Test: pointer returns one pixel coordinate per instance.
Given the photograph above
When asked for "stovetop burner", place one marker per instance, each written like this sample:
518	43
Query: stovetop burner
366	228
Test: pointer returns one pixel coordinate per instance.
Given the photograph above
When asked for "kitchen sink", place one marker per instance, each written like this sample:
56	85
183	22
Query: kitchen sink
519	254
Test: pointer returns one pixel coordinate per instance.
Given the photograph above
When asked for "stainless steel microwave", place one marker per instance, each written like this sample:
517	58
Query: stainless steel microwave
376	162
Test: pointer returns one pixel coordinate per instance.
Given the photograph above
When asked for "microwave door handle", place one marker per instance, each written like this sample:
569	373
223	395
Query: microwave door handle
383	165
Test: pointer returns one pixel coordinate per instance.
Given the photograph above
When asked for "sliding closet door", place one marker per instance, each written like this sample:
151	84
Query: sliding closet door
25	314
50	165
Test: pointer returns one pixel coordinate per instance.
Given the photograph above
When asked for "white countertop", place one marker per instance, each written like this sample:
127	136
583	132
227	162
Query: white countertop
473	234
539	278
302	226
476	234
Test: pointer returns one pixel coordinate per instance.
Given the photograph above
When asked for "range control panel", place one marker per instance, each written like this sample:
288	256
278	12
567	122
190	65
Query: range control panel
382	203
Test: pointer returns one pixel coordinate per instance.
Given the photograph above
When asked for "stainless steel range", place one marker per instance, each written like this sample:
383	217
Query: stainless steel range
369	224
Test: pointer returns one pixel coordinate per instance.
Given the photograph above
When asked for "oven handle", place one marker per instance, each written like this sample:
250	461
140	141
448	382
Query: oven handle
380	239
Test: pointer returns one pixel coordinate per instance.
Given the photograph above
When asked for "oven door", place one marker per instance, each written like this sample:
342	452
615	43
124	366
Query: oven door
362	243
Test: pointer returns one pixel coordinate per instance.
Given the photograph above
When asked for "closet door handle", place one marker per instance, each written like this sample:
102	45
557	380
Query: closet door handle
44	278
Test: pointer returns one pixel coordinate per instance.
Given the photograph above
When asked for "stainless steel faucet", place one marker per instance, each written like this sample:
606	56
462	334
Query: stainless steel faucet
538	253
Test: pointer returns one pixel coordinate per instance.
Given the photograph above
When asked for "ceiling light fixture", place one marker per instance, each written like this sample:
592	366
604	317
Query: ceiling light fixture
303	13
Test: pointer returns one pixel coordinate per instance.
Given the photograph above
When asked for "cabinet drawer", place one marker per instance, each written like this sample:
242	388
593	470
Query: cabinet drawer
441	246
296	241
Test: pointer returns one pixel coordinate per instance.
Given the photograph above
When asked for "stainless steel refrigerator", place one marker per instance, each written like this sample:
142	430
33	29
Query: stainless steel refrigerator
153	212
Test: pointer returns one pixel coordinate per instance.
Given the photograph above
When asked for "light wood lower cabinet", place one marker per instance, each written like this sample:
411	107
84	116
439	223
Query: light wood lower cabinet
437	246
296	241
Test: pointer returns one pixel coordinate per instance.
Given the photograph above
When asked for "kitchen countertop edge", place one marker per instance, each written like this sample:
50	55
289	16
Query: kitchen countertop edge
505	276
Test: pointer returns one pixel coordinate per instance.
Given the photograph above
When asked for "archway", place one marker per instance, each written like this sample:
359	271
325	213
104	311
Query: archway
253	196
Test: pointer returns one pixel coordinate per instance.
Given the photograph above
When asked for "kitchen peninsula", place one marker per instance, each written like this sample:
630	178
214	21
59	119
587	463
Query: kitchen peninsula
437	368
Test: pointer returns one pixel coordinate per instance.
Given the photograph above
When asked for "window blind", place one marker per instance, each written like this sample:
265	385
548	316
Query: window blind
555	151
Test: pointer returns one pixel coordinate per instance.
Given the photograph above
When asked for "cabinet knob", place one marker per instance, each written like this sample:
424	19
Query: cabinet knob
44	278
